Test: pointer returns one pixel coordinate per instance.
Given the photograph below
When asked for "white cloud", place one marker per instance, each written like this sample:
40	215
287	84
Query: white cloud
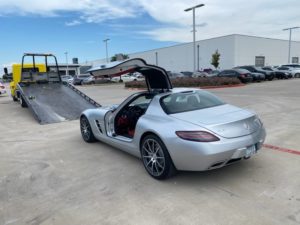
256	17
73	23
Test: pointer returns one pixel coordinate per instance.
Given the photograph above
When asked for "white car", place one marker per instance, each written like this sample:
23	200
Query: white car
126	78
294	71
2	89
67	78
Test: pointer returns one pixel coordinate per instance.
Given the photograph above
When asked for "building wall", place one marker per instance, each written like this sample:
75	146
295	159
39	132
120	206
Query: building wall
275	51
235	50
180	57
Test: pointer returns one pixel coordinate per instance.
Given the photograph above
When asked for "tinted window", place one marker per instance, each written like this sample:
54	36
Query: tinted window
189	101
251	69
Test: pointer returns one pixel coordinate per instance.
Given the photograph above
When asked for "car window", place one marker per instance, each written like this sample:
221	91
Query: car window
189	101
142	101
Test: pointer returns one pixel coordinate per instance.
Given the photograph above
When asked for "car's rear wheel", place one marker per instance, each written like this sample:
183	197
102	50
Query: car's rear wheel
156	158
86	130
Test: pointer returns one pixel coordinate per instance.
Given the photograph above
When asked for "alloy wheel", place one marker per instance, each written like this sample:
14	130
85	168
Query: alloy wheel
153	157
85	129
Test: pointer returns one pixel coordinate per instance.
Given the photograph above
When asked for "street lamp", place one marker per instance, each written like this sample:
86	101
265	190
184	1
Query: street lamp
67	71
290	39
194	31
106	40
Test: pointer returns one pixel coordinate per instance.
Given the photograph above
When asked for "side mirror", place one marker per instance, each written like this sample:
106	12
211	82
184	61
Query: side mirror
113	107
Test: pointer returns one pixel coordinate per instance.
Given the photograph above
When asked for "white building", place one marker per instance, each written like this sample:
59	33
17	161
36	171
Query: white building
235	50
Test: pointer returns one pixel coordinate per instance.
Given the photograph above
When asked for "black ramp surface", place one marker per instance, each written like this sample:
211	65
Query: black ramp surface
55	102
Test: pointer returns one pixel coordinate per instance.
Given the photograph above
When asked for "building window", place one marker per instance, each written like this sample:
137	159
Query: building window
259	61
295	60
62	72
72	72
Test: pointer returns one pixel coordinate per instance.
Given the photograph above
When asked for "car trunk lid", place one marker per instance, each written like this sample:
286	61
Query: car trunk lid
226	120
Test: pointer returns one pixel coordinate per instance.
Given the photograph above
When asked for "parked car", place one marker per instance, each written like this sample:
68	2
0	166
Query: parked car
89	80
174	75
2	89
278	74
173	129
269	75
67	78
187	73
200	74
243	75
295	66
78	79
126	78
294	72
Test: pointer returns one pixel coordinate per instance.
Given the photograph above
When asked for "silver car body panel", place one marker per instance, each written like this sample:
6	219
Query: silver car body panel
238	130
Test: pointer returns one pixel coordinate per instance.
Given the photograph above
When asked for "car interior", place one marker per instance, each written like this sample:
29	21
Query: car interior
127	118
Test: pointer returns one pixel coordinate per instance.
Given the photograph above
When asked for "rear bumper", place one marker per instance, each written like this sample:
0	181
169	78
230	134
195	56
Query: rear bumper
196	156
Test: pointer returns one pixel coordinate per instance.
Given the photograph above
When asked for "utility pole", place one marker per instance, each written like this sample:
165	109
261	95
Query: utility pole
194	31
290	40
106	40
67	62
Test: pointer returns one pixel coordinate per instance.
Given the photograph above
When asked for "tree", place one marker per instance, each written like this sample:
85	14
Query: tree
119	57
215	59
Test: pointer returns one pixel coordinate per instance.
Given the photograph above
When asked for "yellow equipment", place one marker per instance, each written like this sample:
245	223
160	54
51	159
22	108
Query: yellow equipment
16	75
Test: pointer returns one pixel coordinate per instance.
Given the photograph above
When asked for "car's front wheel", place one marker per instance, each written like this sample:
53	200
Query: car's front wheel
156	158
86	130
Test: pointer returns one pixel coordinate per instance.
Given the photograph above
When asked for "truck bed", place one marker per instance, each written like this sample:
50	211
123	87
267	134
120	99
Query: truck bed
55	102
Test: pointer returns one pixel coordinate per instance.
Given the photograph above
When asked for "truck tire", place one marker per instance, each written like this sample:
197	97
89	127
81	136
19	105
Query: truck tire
15	98
23	103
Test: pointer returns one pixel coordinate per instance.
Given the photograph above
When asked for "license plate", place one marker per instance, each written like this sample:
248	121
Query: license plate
250	151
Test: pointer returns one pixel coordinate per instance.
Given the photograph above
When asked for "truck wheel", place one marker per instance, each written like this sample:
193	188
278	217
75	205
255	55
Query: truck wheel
23	103
15	98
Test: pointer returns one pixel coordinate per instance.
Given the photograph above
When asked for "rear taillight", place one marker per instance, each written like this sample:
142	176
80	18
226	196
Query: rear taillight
199	136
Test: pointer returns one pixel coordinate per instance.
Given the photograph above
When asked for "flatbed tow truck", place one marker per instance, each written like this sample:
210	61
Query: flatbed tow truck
41	90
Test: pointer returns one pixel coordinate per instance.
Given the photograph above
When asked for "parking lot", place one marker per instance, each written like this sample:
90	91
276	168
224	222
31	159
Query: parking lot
49	175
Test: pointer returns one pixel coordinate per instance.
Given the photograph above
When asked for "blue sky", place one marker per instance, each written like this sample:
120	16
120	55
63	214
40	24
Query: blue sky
85	41
79	26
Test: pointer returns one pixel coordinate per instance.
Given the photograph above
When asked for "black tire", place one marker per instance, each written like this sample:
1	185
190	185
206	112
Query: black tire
158	164
15	98
22	102
86	130
297	75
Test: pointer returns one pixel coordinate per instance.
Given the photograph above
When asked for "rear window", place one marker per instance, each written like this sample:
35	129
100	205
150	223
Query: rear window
189	101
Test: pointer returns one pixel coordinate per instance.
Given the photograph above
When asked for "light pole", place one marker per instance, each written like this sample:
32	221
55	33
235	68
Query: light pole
67	71
290	40
106	40
194	31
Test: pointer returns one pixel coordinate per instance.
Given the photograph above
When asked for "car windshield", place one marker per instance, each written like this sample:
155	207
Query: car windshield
189	101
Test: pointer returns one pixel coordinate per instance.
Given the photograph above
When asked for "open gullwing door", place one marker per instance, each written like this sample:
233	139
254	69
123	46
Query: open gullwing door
156	77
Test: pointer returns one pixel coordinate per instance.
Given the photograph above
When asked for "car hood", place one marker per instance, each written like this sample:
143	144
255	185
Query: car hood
226	120
156	77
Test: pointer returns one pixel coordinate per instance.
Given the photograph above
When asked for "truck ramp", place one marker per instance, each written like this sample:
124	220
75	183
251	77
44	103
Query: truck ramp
55	102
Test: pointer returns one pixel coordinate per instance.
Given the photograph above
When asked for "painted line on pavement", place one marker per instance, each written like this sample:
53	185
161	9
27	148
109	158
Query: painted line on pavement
273	147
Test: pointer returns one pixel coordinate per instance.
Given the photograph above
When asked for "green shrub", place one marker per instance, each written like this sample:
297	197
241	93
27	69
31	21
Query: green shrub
191	82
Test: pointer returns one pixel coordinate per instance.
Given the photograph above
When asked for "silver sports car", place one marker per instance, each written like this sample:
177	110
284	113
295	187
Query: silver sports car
173	129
